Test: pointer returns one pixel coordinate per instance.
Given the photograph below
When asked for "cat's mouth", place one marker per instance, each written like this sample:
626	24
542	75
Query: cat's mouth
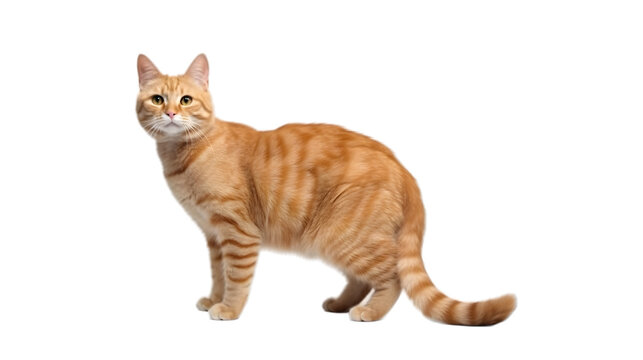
172	128
172	124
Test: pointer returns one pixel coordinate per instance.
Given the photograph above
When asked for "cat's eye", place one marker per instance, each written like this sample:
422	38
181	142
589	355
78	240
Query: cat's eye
186	100
157	100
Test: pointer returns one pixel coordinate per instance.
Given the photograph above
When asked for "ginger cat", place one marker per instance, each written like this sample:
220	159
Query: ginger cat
319	190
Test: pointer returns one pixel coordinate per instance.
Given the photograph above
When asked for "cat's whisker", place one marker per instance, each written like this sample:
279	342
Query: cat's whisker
202	135
151	125
189	130
156	126
192	128
187	127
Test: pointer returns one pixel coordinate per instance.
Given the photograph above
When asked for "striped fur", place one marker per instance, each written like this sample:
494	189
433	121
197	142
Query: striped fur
319	190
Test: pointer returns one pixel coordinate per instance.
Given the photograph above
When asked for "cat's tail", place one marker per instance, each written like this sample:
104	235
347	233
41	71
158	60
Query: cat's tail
417	284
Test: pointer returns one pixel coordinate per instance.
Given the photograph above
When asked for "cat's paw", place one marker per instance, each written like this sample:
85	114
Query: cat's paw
332	305
204	304
221	311
363	313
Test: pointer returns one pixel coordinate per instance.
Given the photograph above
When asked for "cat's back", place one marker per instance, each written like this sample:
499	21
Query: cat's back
322	156
303	174
328	136
322	149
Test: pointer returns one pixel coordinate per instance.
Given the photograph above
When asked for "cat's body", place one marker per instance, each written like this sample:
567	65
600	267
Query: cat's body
318	190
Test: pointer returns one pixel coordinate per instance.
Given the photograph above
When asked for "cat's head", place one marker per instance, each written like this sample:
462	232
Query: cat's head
174	107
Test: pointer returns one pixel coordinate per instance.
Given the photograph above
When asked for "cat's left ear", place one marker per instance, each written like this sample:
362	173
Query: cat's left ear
199	71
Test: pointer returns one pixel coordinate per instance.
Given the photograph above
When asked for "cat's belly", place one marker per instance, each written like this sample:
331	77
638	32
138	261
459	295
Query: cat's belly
284	238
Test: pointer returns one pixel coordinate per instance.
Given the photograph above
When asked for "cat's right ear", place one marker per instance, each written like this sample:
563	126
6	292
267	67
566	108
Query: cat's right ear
146	70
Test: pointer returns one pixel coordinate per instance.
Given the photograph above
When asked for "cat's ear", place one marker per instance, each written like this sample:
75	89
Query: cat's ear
199	71
146	70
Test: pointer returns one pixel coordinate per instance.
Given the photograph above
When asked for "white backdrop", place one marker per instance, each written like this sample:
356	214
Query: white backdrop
522	122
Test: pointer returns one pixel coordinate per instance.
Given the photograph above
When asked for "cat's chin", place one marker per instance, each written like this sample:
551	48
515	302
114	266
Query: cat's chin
172	129
169	133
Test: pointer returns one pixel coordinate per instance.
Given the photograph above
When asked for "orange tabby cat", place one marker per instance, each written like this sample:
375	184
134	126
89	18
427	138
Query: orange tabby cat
319	190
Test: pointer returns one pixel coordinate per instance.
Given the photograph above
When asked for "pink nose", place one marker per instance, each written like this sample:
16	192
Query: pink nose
171	115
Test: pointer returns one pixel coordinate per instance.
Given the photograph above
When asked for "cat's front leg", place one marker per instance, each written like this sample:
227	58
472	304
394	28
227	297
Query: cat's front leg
218	284
240	251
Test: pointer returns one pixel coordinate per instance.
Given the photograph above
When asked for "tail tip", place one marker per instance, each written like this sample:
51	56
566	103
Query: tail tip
513	300
504	306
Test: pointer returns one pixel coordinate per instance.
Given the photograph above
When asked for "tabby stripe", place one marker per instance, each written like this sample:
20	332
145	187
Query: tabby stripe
372	261
218	219
440	308
229	198
313	199
204	198
207	108
268	153
239	280
283	150
242	213
454	313
346	252
245	266
269	166
217	198
254	202
295	202
176	172
472	314
413	269
419	287
367	212
282	180
383	273
409	254
215	251
239	257
238	244
349	252
433	302
449	313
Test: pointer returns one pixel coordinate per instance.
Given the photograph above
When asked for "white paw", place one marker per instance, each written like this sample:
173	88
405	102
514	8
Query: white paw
221	311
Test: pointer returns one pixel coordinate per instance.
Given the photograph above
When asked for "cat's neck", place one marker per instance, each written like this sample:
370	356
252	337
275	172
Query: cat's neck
174	152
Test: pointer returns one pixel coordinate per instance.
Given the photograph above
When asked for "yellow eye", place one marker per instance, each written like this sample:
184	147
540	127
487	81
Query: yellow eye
186	100
157	100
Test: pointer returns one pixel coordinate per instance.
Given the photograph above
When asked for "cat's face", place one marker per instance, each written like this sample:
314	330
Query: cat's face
174	107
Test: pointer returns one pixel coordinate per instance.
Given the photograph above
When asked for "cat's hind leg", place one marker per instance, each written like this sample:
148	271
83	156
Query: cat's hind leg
375	262
354	292
382	300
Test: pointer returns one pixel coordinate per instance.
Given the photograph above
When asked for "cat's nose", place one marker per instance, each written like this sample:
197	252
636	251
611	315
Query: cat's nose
171	115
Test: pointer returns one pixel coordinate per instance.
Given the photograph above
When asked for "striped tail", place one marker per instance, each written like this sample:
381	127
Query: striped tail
419	287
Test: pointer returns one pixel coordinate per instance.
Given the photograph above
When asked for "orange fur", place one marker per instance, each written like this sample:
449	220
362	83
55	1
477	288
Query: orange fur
317	189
